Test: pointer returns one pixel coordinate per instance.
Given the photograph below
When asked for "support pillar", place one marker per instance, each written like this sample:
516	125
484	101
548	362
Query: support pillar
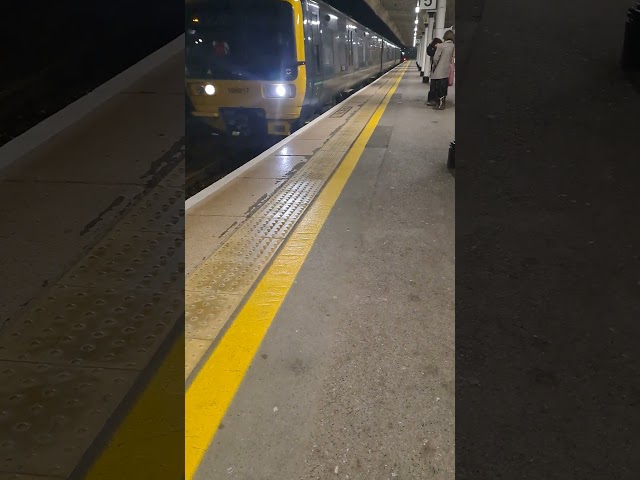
439	21
430	27
430	36
426	62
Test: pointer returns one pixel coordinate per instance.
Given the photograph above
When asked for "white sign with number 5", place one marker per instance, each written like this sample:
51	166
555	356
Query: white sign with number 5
428	5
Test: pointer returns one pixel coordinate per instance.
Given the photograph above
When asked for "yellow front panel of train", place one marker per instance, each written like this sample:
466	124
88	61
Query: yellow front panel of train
244	94
245	63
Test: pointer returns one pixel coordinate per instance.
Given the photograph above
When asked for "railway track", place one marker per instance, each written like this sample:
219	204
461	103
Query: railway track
210	157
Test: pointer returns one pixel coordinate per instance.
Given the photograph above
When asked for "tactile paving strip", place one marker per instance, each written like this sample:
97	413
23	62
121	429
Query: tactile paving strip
131	259
99	328
66	365
276	226
194	350
162	210
238	263
17	476
235	267
341	112
203	309
50	414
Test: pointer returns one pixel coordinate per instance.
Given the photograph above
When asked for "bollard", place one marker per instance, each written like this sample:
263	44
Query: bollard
451	160
631	46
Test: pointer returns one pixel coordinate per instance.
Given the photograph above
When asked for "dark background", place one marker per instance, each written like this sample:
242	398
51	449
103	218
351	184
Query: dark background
548	236
52	53
547	242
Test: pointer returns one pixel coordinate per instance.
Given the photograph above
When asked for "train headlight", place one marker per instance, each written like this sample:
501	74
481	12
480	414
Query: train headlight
280	90
209	89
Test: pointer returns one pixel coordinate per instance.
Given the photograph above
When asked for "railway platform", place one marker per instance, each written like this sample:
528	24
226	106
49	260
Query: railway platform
91	291
320	299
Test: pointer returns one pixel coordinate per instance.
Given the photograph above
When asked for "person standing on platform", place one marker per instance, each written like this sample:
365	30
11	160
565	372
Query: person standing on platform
431	51
443	65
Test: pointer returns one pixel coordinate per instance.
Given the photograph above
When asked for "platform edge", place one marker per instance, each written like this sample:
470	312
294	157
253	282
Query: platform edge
44	131
223	182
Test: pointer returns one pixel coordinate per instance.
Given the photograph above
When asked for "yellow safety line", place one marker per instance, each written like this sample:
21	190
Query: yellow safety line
152	430
215	386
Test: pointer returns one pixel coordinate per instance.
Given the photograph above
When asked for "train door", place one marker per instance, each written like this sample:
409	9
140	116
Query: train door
317	74
365	48
350	59
342	46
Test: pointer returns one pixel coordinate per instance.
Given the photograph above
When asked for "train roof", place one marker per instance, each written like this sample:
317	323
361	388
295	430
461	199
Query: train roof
325	4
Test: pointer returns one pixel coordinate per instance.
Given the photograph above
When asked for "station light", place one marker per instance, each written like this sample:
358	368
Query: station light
417	9
210	89
416	21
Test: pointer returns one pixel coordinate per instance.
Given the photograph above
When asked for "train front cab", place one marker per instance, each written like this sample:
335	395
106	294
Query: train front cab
246	72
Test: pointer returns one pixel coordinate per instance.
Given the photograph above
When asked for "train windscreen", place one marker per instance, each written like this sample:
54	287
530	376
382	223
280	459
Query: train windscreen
240	40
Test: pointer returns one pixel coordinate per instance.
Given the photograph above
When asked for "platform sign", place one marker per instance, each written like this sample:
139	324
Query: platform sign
428	5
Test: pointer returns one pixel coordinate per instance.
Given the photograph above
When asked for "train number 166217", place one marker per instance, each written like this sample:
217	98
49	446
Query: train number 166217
239	90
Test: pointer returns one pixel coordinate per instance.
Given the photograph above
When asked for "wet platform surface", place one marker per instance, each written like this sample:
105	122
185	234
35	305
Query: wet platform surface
320	301
92	237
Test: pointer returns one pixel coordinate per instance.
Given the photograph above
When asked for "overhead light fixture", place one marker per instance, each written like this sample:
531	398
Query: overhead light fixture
416	21
417	9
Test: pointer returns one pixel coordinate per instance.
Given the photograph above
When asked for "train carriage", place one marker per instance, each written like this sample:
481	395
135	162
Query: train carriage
257	67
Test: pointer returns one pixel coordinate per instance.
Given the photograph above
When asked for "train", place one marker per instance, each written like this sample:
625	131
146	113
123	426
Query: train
266	67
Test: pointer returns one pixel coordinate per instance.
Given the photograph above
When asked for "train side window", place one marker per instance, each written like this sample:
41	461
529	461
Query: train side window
328	48
341	46
315	27
350	47
365	50
317	54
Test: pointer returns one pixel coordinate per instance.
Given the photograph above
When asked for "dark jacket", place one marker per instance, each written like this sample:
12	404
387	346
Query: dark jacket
431	50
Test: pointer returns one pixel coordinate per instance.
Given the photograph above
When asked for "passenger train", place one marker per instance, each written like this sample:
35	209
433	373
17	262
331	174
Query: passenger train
257	67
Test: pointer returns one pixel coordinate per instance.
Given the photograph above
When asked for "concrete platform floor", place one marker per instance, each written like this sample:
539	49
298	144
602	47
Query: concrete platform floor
92	276
355	378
